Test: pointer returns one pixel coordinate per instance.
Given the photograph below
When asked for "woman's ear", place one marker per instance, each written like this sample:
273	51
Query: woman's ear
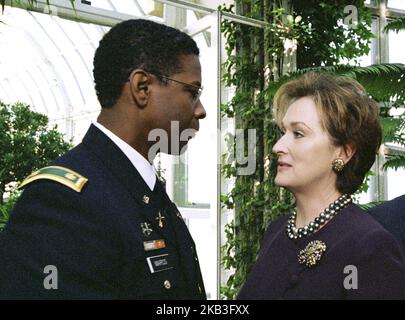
346	152
139	82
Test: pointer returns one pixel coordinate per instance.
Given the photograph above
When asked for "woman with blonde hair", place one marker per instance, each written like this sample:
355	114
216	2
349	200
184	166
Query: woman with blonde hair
328	248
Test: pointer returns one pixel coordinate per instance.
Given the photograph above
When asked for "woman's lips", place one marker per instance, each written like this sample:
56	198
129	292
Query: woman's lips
283	165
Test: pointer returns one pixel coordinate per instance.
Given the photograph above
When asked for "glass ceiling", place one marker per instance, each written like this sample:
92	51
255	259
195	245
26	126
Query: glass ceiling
46	60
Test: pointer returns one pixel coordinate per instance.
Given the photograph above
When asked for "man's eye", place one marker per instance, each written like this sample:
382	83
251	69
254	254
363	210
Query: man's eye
194	94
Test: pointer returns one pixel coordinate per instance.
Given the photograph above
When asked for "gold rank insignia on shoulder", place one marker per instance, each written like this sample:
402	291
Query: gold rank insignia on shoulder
312	253
154	244
62	175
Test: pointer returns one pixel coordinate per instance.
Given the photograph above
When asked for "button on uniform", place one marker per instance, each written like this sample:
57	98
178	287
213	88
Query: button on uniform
167	284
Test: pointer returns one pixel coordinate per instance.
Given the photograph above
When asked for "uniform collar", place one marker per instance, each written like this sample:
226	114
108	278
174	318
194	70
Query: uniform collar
145	169
118	166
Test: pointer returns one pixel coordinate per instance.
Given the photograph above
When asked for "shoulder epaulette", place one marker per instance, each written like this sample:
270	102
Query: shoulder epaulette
62	175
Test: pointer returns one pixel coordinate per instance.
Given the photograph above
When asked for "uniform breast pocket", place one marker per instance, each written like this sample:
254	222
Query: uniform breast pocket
162	278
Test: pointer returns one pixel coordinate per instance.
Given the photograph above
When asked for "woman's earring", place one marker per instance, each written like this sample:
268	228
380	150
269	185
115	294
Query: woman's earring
338	165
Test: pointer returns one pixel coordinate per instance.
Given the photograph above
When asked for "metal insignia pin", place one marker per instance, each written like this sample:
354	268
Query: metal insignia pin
160	218
146	229
145	199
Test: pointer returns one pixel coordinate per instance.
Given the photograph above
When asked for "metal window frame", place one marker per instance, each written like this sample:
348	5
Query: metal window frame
382	14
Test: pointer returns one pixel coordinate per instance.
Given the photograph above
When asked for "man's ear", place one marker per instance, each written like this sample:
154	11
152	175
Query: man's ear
346	152
139	82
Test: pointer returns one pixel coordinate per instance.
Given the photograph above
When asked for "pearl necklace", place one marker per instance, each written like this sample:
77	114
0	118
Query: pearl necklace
313	226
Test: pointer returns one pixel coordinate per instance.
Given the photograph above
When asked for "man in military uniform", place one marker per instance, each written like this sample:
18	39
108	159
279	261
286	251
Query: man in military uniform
97	223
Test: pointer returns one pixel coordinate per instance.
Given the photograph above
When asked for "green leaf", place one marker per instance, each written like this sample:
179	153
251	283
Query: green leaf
395	25
395	161
384	82
370	205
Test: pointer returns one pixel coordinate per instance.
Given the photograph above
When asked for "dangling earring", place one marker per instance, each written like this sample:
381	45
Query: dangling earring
338	165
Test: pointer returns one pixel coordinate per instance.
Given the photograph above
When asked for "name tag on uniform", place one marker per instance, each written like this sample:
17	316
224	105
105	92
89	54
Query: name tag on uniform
159	263
154	244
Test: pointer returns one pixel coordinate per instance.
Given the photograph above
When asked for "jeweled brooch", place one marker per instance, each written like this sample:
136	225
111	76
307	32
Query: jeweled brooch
312	253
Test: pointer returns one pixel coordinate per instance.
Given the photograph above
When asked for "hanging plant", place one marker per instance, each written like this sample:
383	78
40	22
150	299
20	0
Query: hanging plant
254	60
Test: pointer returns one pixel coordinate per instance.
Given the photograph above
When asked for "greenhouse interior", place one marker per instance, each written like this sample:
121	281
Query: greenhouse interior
223	184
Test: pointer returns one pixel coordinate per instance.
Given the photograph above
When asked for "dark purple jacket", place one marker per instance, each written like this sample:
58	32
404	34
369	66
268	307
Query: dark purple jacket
355	243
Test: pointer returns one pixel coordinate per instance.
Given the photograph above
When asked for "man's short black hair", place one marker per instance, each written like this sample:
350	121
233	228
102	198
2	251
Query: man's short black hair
134	44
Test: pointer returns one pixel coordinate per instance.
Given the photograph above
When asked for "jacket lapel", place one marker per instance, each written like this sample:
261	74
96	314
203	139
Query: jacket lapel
117	163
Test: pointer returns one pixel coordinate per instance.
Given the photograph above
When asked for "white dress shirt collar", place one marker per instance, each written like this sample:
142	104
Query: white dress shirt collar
145	169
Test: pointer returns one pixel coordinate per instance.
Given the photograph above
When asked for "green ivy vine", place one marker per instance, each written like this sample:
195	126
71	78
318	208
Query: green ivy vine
255	60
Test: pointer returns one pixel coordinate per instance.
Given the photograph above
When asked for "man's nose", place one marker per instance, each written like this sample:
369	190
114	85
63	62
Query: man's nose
200	112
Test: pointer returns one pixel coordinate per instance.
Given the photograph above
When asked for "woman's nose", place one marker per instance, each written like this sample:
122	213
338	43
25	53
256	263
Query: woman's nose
279	146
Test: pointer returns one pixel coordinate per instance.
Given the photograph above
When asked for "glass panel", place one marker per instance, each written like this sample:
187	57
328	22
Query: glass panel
47	62
21	58
17	85
396	55
202	145
365	197
80	127
132	7
396	4
43	88
395	183
191	17
196	181
396	46
30	83
102	4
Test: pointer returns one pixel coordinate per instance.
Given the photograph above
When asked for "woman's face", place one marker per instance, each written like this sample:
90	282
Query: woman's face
305	151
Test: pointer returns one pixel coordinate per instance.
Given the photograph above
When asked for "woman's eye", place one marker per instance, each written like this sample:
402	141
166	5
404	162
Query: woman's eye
298	134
